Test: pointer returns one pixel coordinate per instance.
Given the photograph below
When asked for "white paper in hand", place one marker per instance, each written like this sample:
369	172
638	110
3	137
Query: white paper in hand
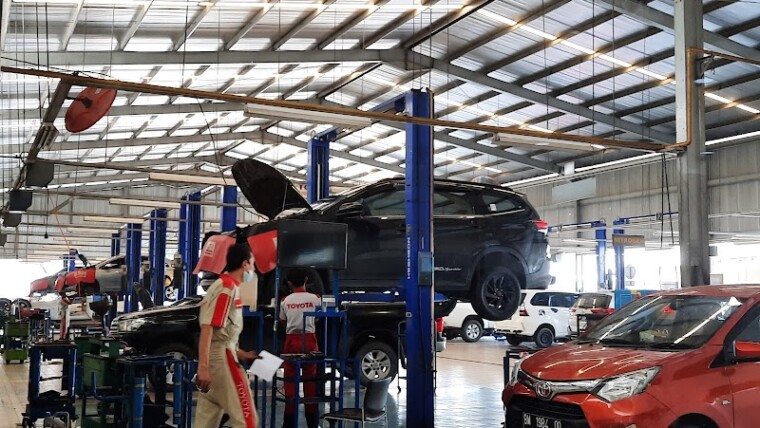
266	366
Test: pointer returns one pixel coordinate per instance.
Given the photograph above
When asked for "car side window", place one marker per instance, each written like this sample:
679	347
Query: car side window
500	202
540	299
452	203
752	332
562	300
390	203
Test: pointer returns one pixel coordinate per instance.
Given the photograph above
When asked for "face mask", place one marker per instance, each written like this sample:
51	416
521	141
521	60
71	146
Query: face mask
248	276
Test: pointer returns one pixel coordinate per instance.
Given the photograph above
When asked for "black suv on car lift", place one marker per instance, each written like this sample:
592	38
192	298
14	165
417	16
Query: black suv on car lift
374	336
489	242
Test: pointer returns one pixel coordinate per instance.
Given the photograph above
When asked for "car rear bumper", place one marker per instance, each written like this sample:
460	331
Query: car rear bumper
539	280
587	410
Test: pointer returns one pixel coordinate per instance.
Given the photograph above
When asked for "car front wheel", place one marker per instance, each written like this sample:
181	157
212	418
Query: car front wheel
472	330
377	361
496	294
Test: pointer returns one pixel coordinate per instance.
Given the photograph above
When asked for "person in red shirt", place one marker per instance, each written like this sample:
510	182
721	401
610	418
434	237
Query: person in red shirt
299	339
223	383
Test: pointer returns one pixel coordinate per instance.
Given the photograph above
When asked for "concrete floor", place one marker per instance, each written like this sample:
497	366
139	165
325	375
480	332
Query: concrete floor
468	393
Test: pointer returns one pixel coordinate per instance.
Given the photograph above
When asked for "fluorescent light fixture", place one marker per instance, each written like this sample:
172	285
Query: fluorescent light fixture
298	115
104	219
733	138
190	179
544	143
530	180
143	203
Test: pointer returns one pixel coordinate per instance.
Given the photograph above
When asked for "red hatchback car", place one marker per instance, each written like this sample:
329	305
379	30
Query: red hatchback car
688	358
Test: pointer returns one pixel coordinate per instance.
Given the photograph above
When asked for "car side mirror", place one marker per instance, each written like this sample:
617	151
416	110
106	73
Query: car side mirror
746	350
351	209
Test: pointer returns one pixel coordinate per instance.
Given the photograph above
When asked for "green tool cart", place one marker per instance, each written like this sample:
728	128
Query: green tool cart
16	341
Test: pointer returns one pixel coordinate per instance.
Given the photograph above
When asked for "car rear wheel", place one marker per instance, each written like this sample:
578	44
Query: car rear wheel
544	337
496	294
377	361
514	340
472	330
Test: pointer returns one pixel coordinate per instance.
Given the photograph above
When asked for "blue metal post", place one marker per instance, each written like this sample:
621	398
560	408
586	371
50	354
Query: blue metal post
181	247
72	260
133	262
619	257
318	167
192	243
419	236
158	254
115	244
601	254
229	213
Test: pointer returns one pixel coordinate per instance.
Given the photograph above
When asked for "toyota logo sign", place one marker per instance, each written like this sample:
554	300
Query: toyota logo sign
543	390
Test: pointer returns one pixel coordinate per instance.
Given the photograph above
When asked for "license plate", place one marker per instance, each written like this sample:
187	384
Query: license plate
533	421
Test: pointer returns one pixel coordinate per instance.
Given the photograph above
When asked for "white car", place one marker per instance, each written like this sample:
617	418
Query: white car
598	304
464	322
78	310
543	317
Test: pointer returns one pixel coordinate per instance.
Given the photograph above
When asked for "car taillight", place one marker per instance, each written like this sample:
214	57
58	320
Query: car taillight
439	325
606	311
523	312
542	225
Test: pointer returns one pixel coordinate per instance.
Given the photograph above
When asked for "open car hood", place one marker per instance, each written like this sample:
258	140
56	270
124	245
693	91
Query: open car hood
267	190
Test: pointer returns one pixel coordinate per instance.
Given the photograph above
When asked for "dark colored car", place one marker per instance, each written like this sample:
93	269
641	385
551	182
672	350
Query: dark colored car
372	336
489	241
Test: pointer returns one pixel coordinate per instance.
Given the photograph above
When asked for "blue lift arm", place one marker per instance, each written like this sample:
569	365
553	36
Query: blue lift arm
229	213
182	291
192	243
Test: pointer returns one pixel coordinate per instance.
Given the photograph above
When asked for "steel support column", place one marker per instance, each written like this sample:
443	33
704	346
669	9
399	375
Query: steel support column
619	258
192	243
692	165
158	254
115	244
419	266
229	213
133	264
318	167
182	291
601	254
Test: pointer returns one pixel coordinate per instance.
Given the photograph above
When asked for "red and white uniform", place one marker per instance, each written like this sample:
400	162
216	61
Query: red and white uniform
300	339
230	391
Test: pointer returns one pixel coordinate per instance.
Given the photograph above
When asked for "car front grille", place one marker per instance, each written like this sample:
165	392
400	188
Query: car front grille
571	415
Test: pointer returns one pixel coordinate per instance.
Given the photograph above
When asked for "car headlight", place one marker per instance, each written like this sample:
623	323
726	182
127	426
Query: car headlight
131	325
514	371
626	385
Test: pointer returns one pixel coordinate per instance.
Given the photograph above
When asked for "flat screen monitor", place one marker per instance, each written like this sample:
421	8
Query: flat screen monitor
312	244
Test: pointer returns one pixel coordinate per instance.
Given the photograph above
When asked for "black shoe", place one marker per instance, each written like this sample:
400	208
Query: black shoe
312	420
288	420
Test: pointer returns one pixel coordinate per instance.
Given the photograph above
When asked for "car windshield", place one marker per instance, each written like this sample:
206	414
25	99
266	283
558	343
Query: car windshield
664	322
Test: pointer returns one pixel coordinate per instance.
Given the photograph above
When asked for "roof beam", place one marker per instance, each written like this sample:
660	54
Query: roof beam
5	23
303	21
69	31
536	97
348	24
88	59
664	21
196	22
249	24
137	20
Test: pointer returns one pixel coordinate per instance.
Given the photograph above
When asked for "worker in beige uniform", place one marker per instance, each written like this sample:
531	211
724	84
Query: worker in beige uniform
221	379
299	339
